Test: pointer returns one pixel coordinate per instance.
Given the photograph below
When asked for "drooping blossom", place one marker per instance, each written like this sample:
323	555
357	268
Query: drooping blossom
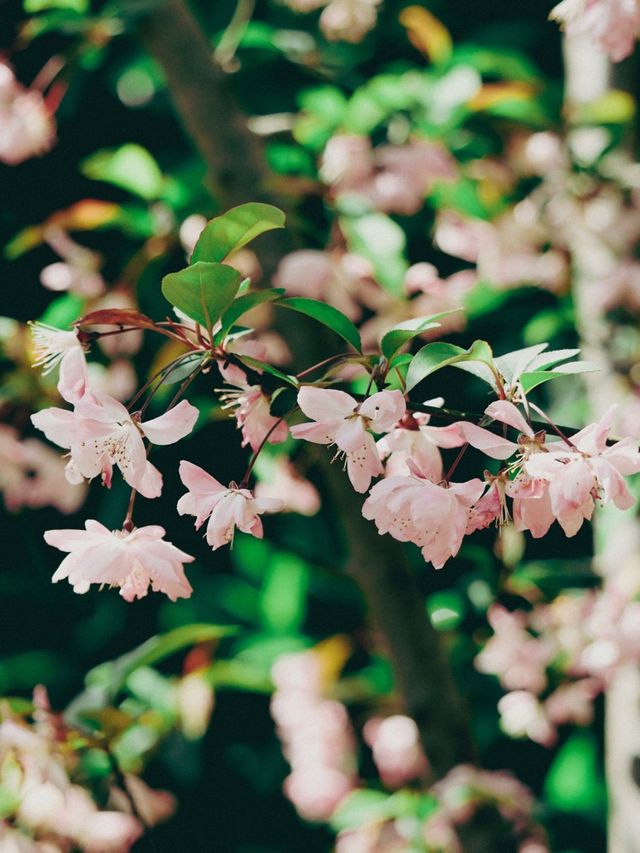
614	25
251	405
131	560
27	128
338	418
227	508
396	748
52	346
77	272
415	439
316	734
413	509
100	433
584	472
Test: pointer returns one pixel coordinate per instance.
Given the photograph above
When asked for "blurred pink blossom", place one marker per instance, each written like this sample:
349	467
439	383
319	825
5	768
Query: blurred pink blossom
27	128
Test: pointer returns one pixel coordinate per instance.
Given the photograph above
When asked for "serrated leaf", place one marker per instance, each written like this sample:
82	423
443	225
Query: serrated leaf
325	314
440	354
130	167
202	291
241	305
229	232
550	358
401	334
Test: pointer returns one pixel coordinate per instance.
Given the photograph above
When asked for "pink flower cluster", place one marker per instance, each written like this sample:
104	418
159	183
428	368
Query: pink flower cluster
555	659
45	811
560	481
317	737
27	128
392	178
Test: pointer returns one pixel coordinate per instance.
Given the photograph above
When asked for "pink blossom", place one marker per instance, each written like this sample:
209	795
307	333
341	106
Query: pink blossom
415	439
337	418
587	470
77	272
279	479
100	433
348	20
27	129
413	509
253	414
343	280
513	654
397	753
613	24
531	505
32	475
522	715
227	508
132	560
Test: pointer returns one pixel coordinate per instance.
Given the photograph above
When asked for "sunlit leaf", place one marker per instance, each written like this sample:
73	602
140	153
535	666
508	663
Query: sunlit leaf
130	167
401	334
440	354
203	291
229	232
382	242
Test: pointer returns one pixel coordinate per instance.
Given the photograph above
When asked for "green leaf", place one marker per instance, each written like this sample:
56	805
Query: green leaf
31	7
401	334
256	364
574	781
202	291
366	806
532	379
113	674
241	305
130	167
63	311
229	232
327	315
382	242
440	354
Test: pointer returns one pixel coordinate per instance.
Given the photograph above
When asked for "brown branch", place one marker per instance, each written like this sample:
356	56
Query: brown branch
238	173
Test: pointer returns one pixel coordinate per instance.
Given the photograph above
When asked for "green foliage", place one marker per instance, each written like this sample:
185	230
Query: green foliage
130	167
325	314
202	291
229	232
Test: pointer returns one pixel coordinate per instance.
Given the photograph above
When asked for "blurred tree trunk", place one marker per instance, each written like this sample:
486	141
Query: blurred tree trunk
589	75
202	94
